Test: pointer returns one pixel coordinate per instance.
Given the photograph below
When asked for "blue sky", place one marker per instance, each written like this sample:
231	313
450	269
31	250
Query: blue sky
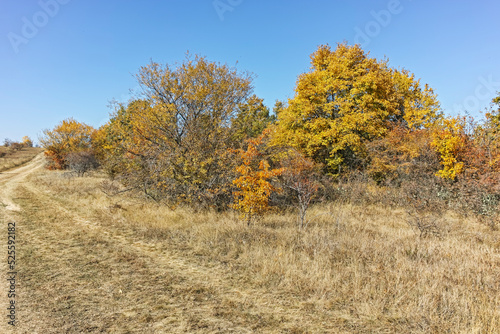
69	58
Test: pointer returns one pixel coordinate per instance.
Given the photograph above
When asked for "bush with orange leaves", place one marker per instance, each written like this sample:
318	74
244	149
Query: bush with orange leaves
68	137
468	150
255	188
401	155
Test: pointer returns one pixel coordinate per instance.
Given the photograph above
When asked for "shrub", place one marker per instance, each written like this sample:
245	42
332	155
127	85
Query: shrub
82	162
68	137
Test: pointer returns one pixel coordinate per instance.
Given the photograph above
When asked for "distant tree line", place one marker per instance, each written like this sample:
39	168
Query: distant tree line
14	146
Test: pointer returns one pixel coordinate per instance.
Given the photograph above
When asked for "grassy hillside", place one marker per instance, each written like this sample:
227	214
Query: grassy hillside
97	260
10	159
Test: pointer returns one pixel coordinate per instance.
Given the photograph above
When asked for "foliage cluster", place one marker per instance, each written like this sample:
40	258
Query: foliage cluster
252	198
68	137
198	135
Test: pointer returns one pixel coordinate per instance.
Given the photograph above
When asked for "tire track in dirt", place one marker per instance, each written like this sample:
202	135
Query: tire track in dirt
9	180
9	212
183	295
195	282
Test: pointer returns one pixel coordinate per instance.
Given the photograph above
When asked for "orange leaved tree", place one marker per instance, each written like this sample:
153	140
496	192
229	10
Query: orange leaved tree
255	188
68	137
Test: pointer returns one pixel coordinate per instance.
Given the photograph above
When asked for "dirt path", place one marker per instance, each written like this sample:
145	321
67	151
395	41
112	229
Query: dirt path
10	179
77	275
9	210
85	263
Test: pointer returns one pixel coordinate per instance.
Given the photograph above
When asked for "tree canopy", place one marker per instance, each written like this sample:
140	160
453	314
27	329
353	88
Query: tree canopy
177	134
68	137
348	99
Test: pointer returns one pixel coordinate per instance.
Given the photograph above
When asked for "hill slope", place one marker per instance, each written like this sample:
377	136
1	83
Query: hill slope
91	259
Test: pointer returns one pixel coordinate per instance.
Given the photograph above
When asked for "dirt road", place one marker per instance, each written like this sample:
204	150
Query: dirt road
9	210
78	274
9	180
90	262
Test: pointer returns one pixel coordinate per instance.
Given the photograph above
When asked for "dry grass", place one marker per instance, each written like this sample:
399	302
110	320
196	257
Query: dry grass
16	158
94	263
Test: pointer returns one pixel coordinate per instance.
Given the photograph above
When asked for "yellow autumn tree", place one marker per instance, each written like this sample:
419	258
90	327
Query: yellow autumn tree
27	142
449	140
468	148
67	137
117	146
346	100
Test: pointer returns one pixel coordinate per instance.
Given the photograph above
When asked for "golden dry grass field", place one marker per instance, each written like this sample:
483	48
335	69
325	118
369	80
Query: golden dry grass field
89	262
16	158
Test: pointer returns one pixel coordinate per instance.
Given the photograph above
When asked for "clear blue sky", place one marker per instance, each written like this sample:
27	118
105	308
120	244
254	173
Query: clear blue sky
84	53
